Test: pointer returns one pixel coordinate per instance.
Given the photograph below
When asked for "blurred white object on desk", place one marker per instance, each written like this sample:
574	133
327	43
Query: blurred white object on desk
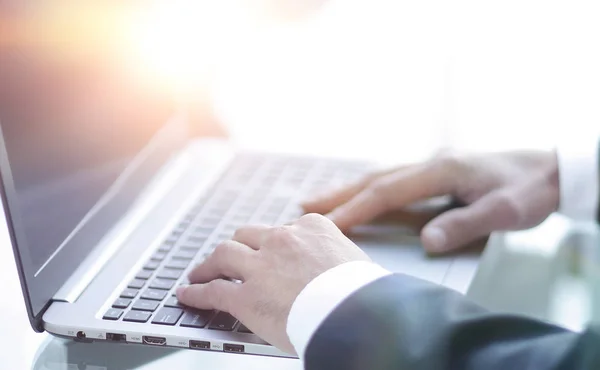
531	272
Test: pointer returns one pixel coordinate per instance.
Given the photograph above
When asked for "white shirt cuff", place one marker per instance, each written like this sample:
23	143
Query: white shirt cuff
578	178
322	296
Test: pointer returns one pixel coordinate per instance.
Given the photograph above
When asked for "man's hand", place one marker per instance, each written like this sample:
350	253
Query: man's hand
507	191
274	264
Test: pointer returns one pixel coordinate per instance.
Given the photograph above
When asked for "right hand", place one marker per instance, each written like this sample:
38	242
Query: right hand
274	265
502	191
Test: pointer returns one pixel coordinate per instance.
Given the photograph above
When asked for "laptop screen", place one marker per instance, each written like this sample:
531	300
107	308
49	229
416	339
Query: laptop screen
79	142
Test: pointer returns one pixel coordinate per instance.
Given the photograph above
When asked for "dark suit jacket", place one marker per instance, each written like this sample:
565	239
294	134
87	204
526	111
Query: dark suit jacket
400	322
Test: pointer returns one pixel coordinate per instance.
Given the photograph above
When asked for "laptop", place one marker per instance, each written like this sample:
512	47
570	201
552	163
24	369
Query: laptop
110	200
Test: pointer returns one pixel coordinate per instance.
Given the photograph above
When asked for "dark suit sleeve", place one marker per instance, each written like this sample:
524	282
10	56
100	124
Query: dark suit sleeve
399	322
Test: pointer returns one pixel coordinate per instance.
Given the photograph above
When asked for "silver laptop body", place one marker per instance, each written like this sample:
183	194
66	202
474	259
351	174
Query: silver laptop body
109	207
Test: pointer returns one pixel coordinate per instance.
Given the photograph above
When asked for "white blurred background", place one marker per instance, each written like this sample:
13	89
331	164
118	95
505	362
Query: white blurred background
384	78
399	79
389	79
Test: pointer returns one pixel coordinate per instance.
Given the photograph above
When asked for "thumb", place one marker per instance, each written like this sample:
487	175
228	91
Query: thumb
460	226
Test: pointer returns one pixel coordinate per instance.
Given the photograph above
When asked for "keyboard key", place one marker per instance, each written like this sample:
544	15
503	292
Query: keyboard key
185	255
268	220
158	256
129	293
280	202
275	210
169	274
223	321
152	265
240	220
198	206
171	240
137	316
167	316
245	211
121	303
225	198
196	318
224	236
177	264
162	284
165	248
136	283
244	329
183	225
154	294
191	240
179	230
203	231
209	222
172	302
218	212
190	217
144	274
194	247
145	305
112	314
229	229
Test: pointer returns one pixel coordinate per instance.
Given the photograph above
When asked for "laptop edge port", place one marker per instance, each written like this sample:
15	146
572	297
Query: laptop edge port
238	348
154	341
199	344
116	337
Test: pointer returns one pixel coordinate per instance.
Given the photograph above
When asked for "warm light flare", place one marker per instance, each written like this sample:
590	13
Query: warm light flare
167	44
178	43
66	29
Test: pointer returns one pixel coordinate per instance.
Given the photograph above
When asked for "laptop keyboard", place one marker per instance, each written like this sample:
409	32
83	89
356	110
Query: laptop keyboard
256	189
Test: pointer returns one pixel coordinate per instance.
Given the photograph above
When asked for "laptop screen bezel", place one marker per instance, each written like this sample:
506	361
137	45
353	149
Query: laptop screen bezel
39	290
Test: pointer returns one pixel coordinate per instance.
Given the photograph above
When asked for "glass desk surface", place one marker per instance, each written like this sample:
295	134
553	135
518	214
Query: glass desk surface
61	354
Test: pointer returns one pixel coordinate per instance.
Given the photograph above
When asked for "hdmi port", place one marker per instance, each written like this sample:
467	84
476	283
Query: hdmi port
154	341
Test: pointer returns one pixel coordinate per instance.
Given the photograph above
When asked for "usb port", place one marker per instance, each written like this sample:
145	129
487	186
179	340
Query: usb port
154	341
199	344
116	337
233	348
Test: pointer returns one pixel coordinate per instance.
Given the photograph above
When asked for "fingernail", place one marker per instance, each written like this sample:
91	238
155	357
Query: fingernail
435	238
180	290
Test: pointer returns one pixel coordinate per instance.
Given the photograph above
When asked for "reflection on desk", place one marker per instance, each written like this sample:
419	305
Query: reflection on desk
530	272
63	354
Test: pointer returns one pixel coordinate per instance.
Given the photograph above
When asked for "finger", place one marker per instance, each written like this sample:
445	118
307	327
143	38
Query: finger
252	236
393	191
326	202
215	295
230	259
460	226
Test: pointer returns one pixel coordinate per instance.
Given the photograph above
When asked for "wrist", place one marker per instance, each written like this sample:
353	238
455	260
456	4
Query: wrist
323	294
